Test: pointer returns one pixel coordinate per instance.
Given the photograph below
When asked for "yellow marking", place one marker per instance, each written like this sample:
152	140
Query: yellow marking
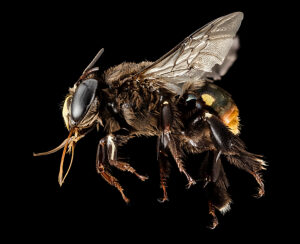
165	102
208	99
65	112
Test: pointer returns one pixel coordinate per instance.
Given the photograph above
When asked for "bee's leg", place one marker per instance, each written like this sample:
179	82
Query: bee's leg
164	170
261	188
234	149
218	197
102	168
126	167
112	158
252	164
215	184
210	168
168	141
177	155
213	217
204	174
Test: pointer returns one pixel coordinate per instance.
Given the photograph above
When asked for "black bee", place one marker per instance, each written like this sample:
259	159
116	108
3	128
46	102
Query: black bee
173	99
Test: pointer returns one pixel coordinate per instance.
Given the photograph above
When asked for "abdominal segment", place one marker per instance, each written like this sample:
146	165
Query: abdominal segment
221	102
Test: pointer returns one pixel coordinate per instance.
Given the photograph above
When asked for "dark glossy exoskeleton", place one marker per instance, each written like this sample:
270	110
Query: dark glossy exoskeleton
172	99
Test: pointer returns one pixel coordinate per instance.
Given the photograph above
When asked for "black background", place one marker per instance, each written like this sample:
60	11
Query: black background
60	42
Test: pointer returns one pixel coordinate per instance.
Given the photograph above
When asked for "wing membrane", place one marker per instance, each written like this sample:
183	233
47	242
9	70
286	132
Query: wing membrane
220	70
198	54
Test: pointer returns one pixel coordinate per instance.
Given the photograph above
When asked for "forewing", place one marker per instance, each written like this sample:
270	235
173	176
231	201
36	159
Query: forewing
197	55
220	70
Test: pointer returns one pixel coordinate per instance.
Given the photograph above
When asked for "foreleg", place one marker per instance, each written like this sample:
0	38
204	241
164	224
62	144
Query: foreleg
112	151
102	169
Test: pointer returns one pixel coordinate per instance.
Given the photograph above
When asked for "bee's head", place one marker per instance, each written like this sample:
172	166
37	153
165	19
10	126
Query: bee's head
80	112
80	107
81	104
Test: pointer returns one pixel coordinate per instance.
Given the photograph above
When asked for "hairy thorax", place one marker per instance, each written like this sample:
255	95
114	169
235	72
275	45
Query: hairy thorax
132	101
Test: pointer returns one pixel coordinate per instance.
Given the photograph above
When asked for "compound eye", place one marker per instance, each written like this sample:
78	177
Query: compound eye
83	98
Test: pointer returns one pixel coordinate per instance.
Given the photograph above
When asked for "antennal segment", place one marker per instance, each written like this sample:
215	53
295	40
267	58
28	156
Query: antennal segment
95	59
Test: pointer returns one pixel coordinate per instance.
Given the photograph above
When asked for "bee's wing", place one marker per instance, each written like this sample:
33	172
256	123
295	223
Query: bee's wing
200	55
221	69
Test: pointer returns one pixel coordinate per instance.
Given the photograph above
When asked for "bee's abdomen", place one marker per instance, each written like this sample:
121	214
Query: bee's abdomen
221	102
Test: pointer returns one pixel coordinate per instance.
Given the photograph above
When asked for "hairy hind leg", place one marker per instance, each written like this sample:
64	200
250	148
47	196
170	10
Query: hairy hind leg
218	198
215	184
252	164
234	149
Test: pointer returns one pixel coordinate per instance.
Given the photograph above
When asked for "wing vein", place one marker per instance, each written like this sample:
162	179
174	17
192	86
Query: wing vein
195	58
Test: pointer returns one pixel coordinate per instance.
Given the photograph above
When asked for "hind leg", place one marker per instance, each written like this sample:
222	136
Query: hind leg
215	184
206	132
234	149
219	199
252	164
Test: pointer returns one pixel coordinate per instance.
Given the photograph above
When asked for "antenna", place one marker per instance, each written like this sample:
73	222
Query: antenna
95	59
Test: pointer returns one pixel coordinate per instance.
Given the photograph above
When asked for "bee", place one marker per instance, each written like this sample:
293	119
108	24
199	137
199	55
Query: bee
173	99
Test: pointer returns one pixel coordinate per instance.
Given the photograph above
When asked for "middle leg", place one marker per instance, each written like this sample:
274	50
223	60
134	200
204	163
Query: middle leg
164	170
167	140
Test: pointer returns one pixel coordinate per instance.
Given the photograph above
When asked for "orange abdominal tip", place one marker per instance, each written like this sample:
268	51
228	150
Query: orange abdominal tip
231	119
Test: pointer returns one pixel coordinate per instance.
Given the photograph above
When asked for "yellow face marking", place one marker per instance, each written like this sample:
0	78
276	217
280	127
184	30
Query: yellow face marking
208	99
65	111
